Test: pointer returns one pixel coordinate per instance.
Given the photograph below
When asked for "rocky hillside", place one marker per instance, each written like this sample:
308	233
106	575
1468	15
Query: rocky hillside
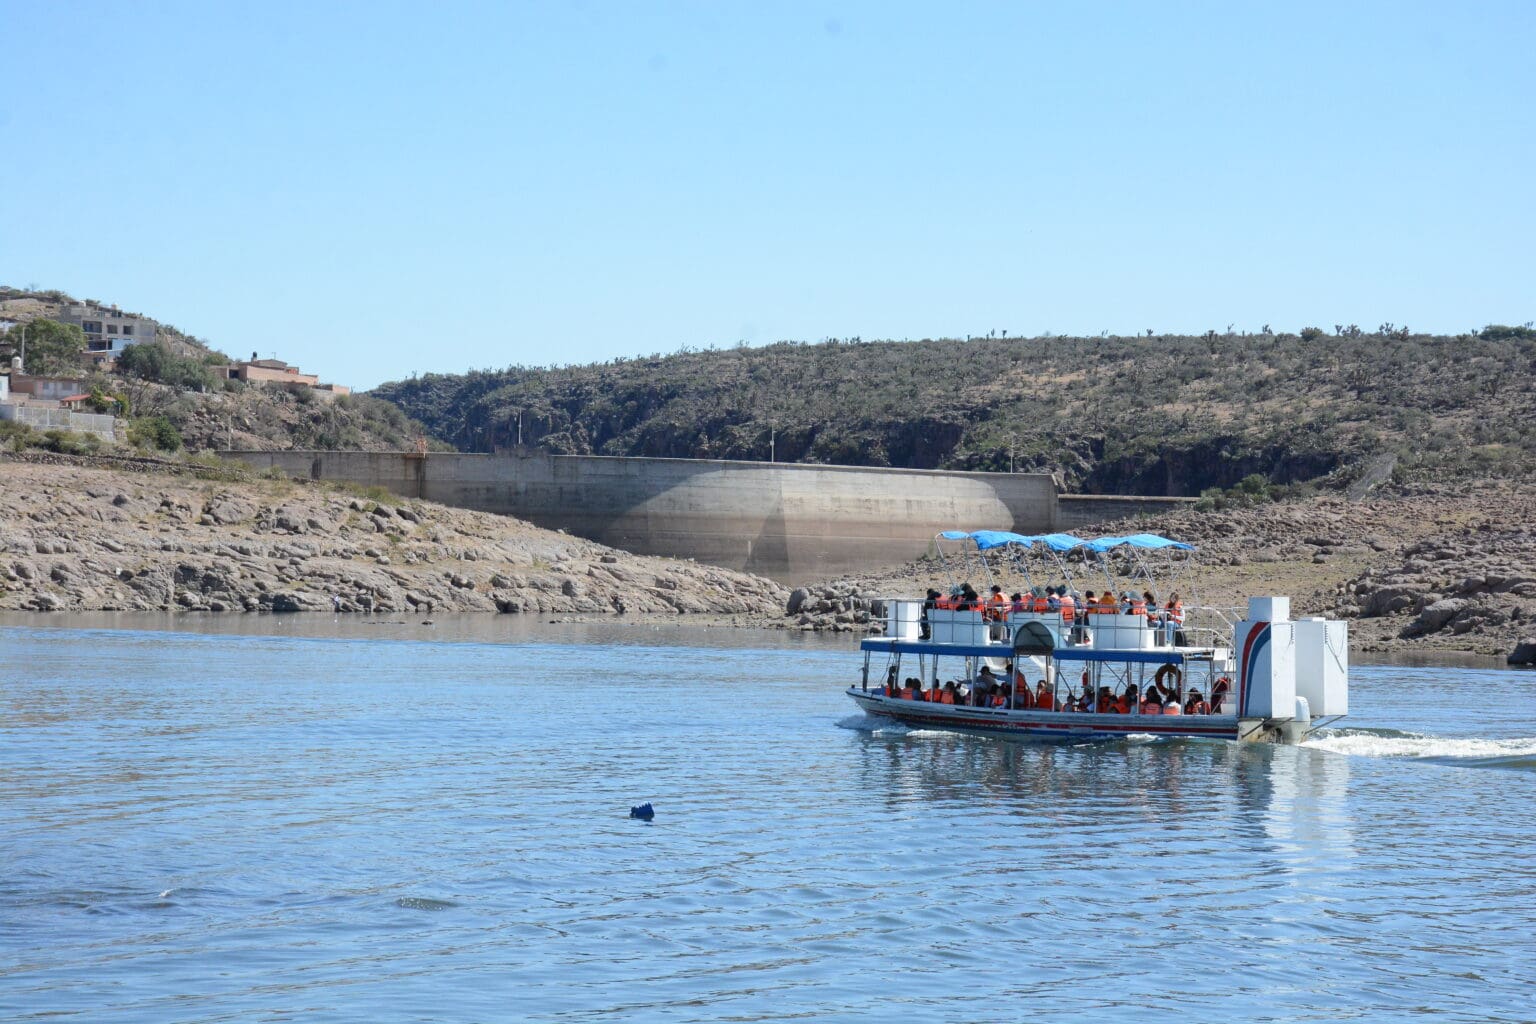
79	536
1130	415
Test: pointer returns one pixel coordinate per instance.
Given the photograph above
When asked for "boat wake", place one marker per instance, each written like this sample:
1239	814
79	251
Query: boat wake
873	725
1515	753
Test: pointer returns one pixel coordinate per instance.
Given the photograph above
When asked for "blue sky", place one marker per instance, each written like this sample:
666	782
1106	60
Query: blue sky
373	190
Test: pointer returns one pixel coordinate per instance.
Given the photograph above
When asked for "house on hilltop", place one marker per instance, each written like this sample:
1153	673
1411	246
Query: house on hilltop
263	372
108	330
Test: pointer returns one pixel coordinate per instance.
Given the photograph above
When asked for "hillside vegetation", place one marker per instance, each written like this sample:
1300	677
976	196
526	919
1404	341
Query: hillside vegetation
1151	415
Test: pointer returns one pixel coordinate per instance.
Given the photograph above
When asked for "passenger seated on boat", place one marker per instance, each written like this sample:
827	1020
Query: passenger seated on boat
1131	698
1172	708
948	694
1122	705
1151	707
1001	696
1017	604
1044	699
1149	607
1023	699
1052	600
1040	604
1196	705
997	604
1067	605
1219	695
906	690
969	600
1106	702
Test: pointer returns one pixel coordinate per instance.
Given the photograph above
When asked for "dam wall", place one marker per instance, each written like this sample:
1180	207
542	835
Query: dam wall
791	522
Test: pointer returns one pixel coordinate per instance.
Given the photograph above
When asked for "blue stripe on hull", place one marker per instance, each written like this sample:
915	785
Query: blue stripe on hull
1059	724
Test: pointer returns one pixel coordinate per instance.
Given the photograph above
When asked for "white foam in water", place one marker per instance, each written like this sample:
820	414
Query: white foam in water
1369	744
872	724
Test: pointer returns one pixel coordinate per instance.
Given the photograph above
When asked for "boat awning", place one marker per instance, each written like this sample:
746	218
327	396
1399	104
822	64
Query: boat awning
888	646
1135	657
880	643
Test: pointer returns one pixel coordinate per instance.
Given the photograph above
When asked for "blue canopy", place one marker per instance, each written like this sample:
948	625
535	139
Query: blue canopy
1137	540
986	540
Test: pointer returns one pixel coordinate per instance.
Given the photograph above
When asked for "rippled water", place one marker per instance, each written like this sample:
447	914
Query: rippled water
407	823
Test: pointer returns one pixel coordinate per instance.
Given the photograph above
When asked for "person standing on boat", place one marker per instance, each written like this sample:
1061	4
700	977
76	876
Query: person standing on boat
1173	618
929	603
996	611
985	687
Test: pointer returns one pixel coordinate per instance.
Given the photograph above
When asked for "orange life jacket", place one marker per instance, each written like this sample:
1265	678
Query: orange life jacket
1044	701
1122	707
1040	606
1198	707
948	697
1068	608
1023	700
1139	606
1176	613
1151	708
1172	708
999	701
906	693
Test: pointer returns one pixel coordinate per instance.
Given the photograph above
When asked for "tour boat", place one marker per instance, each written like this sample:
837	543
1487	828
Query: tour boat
1265	678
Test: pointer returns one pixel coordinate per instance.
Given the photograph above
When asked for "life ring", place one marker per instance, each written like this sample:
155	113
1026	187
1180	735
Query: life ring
1165	672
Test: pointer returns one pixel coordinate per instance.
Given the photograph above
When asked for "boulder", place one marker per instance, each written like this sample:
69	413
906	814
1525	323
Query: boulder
1524	653
1436	616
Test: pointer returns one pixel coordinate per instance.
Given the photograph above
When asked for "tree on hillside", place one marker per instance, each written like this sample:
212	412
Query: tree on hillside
154	361
52	347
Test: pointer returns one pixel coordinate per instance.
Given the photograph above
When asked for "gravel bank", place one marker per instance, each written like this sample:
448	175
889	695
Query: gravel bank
74	537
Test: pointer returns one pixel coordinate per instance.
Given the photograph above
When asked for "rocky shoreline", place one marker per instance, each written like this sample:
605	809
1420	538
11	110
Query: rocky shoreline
75	537
1435	570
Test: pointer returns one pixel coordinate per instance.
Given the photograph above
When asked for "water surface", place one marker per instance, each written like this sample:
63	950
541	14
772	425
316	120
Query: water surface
409	823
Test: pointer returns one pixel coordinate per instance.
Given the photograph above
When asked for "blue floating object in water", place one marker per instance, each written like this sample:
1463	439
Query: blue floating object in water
645	812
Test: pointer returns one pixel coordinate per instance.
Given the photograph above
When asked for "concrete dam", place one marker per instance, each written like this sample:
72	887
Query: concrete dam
791	522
